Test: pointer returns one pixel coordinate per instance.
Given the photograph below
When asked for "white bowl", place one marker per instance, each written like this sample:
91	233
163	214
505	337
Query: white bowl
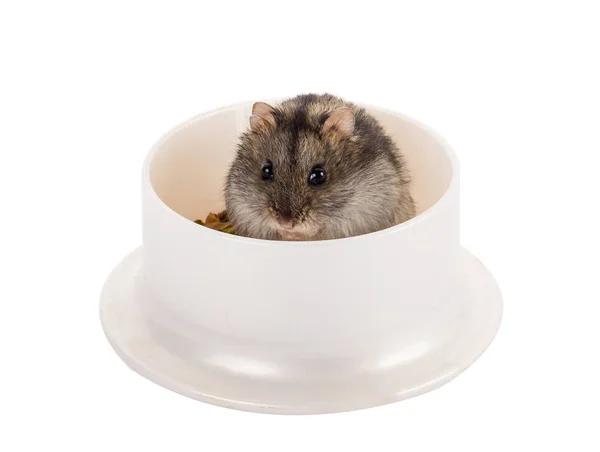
296	327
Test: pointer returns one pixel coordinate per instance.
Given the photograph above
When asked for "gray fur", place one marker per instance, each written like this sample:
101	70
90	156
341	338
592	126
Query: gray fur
367	188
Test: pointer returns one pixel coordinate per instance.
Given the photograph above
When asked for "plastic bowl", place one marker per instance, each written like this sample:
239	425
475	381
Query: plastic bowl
296	327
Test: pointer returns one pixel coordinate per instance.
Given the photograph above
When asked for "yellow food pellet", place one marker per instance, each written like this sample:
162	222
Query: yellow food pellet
217	221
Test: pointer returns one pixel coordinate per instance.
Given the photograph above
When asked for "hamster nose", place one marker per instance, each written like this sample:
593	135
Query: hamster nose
286	224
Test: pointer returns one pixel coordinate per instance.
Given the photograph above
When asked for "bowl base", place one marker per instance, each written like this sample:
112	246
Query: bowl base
244	389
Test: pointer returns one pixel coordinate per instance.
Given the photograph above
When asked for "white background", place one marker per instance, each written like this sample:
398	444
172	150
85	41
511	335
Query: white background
87	87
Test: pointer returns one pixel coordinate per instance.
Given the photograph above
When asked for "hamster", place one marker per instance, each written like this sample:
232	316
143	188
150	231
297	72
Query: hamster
315	167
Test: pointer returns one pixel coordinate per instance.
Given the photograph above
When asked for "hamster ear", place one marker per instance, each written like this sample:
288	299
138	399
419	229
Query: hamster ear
262	116
340	121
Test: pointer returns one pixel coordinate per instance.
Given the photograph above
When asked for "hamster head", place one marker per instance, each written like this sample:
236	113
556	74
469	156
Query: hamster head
313	168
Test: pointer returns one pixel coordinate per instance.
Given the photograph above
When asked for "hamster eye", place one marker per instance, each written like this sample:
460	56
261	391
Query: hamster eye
317	176
267	171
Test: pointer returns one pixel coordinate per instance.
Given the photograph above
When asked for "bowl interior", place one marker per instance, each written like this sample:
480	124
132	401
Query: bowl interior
188	166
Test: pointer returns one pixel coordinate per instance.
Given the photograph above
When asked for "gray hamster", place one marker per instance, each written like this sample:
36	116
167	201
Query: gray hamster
315	167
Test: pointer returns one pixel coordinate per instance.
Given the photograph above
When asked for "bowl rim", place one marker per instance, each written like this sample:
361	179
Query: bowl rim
146	181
